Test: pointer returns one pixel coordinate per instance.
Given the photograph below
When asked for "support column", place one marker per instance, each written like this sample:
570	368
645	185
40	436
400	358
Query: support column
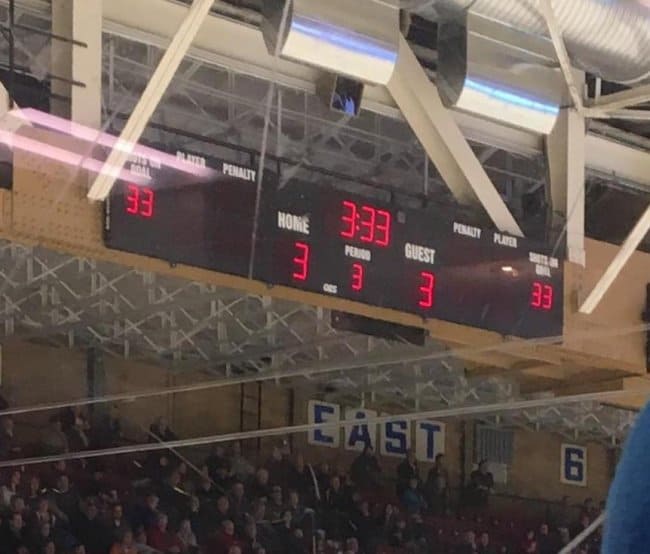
565	149
81	21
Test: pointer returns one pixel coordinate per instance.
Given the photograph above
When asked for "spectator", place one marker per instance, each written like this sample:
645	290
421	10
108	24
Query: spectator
12	535
54	440
388	520
206	492
240	468
77	433
239	505
187	538
529	546
298	511
399	536
216	459
221	477
34	492
224	540
125	544
8	446
160	430
546	543
260	487
412	498
481	485
223	510
468	544
303	479
437	486
66	501
365	469
90	531
484	544
279	467
582	524
250	539
589	509
323	476
365	527
406	471
275	507
159	537
140	542
117	525
146	515
10	489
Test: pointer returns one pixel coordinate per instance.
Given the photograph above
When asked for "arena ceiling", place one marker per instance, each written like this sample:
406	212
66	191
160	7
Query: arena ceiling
68	301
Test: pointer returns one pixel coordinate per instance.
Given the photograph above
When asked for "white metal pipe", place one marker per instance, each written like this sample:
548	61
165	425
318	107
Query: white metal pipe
150	99
443	140
560	49
625	252
460	411
595	524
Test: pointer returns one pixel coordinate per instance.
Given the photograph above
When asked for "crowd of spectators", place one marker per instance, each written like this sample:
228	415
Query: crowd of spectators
162	503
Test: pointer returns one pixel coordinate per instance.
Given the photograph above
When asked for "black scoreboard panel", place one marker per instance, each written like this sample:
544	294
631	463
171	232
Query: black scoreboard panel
323	240
205	222
415	261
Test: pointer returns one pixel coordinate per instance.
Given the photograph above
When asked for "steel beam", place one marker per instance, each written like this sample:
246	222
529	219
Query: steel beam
565	148
442	139
624	99
546	8
631	243
240	47
153	93
80	62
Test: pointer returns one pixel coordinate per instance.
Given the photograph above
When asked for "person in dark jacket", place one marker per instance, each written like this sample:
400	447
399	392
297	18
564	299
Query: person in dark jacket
481	484
365	469
406	471
437	486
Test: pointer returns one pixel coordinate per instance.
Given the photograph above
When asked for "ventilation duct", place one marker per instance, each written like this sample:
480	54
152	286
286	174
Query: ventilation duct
499	72
609	38
358	39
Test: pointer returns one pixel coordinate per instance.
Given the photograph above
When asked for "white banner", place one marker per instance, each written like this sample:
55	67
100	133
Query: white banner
395	438
358	435
429	440
573	465
324	412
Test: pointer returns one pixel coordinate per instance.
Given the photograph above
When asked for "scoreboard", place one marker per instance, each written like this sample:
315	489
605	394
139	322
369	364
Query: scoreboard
422	261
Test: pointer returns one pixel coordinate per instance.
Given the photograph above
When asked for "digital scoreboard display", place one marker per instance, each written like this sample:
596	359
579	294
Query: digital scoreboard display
323	240
204	222
416	261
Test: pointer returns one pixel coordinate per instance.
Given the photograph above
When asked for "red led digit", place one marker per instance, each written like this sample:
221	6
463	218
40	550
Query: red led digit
536	296
132	199
367	223
427	289
139	201
357	277
541	297
301	262
349	219
146	204
547	297
382	228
